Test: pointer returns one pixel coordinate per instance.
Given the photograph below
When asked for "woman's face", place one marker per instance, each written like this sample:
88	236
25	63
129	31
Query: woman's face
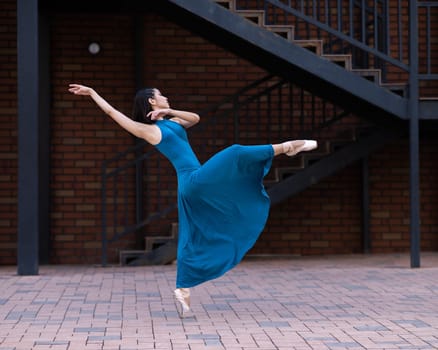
159	101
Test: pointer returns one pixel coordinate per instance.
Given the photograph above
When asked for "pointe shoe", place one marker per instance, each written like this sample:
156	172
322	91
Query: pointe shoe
182	298
300	146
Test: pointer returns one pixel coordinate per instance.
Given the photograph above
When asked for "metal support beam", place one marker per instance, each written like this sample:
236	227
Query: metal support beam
28	137
413	109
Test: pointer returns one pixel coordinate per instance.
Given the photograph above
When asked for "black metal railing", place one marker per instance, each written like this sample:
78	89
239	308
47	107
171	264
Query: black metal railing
375	33
428	28
348	26
289	110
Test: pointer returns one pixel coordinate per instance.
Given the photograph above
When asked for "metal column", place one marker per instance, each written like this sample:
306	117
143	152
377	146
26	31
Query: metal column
28	137
414	135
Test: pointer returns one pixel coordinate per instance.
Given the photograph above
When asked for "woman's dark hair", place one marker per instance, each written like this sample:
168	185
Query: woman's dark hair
142	106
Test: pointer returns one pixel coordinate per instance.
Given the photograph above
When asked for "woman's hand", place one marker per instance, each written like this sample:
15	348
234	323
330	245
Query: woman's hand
80	90
186	119
158	113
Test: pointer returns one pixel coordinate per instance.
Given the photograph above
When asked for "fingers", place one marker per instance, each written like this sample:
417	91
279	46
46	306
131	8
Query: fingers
156	113
78	89
153	114
74	88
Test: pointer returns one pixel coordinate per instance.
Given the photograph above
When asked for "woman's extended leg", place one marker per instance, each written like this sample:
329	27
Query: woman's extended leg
291	148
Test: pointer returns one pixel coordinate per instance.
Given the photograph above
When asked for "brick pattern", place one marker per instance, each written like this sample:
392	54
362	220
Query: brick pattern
313	303
82	136
325	219
8	132
193	74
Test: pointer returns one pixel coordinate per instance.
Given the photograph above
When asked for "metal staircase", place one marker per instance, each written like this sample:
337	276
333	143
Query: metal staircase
255	33
265	48
316	46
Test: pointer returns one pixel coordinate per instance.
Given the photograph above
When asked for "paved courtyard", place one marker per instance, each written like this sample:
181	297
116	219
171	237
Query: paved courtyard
342	302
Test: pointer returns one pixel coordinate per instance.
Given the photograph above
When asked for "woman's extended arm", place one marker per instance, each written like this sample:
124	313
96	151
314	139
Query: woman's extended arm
149	133
186	119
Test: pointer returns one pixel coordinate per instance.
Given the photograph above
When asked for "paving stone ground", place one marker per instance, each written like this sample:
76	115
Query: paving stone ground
338	302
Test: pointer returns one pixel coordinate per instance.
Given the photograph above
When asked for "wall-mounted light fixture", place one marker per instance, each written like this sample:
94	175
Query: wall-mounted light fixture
94	48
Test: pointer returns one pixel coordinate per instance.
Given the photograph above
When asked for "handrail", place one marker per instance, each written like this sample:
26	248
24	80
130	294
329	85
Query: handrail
428	6
339	34
357	27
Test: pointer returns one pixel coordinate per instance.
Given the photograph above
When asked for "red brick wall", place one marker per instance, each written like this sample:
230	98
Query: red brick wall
193	74
82	136
429	193
390	206
8	133
324	219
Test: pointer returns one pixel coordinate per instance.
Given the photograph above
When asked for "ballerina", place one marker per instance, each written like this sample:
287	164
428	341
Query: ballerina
222	204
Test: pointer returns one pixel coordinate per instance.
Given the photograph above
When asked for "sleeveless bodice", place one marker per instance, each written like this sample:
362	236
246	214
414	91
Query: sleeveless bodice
175	146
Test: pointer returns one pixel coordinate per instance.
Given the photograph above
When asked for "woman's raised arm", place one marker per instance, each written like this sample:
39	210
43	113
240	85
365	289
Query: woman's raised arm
150	133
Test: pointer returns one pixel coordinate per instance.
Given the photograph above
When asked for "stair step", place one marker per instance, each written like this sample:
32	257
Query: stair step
228	4
286	32
163	255
373	75
399	89
153	242
156	241
255	16
342	60
126	256
314	46
158	250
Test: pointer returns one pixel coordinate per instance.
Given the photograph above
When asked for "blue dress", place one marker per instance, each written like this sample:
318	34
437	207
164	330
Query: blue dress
222	204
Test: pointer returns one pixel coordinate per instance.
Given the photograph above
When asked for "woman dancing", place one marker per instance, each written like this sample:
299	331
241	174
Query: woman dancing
222	204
